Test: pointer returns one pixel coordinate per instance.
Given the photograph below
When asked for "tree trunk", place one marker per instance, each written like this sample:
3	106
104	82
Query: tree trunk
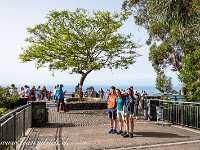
182	89
81	84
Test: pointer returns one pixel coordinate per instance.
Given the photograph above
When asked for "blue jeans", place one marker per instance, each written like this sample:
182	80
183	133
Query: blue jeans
41	96
136	109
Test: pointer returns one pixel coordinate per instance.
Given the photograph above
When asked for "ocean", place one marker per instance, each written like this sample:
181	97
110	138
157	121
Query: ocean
71	88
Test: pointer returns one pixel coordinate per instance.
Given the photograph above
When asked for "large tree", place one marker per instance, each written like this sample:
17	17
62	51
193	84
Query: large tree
81	42
173	27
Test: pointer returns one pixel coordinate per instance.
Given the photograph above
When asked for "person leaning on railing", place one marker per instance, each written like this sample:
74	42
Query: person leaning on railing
32	93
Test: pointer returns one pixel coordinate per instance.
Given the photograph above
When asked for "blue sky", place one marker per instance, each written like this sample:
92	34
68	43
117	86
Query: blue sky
17	15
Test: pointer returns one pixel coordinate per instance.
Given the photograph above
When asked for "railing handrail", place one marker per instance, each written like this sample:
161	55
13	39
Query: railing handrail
177	101
14	111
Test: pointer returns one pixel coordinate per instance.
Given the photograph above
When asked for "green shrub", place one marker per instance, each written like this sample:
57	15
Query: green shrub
7	101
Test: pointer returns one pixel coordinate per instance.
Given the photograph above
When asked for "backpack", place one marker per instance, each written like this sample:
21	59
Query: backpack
32	92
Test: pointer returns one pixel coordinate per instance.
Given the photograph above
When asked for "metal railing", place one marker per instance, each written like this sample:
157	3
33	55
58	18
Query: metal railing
14	125
182	113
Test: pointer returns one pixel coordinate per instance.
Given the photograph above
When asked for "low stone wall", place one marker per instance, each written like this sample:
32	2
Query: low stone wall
75	99
39	114
86	105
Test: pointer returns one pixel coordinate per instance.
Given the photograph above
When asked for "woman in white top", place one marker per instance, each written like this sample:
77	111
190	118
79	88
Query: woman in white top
22	92
27	91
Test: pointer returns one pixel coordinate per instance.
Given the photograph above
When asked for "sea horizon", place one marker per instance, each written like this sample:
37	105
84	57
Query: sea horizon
71	88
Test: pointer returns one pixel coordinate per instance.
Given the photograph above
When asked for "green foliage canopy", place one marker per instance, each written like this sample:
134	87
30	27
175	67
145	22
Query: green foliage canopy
80	42
173	27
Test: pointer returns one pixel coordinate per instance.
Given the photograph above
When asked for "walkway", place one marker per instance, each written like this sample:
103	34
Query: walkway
88	130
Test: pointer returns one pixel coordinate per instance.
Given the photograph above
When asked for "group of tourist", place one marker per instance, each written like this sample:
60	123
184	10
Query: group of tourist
123	106
35	94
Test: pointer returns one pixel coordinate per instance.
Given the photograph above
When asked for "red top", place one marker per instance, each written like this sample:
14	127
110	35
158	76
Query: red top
112	104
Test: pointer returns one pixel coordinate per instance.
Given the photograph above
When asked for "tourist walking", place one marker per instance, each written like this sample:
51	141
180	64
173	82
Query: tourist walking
136	103
55	93
129	113
112	105
120	109
60	94
142	99
32	93
44	93
49	95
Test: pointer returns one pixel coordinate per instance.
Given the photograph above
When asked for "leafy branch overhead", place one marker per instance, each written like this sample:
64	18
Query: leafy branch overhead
173	28
80	41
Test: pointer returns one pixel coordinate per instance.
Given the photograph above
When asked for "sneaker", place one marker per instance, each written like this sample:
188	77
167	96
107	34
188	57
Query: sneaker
131	135
110	130
136	117
126	135
114	131
120	132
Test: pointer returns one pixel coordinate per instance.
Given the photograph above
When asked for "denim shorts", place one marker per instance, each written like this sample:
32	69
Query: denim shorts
112	113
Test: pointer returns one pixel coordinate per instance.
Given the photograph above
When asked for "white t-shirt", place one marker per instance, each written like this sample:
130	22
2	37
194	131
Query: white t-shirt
27	92
21	93
54	91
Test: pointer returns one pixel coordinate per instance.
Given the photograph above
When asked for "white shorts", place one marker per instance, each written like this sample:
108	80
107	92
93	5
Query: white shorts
129	114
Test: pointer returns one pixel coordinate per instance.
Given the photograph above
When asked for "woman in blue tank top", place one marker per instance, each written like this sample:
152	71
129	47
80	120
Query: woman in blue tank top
129	113
120	109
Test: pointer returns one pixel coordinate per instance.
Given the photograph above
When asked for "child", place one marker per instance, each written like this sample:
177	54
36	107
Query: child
49	95
112	105
129	112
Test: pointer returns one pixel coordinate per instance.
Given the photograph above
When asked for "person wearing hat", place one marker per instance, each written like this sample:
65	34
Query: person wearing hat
27	91
13	90
60	96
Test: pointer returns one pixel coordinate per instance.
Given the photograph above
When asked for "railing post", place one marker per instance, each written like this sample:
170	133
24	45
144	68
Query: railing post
182	122
24	122
15	126
31	114
0	135
197	117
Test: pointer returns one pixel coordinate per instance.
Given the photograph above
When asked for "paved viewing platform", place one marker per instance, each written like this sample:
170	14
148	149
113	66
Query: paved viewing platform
88	129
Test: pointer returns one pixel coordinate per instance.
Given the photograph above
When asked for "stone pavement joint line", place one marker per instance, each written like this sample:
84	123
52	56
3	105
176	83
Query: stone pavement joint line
158	145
